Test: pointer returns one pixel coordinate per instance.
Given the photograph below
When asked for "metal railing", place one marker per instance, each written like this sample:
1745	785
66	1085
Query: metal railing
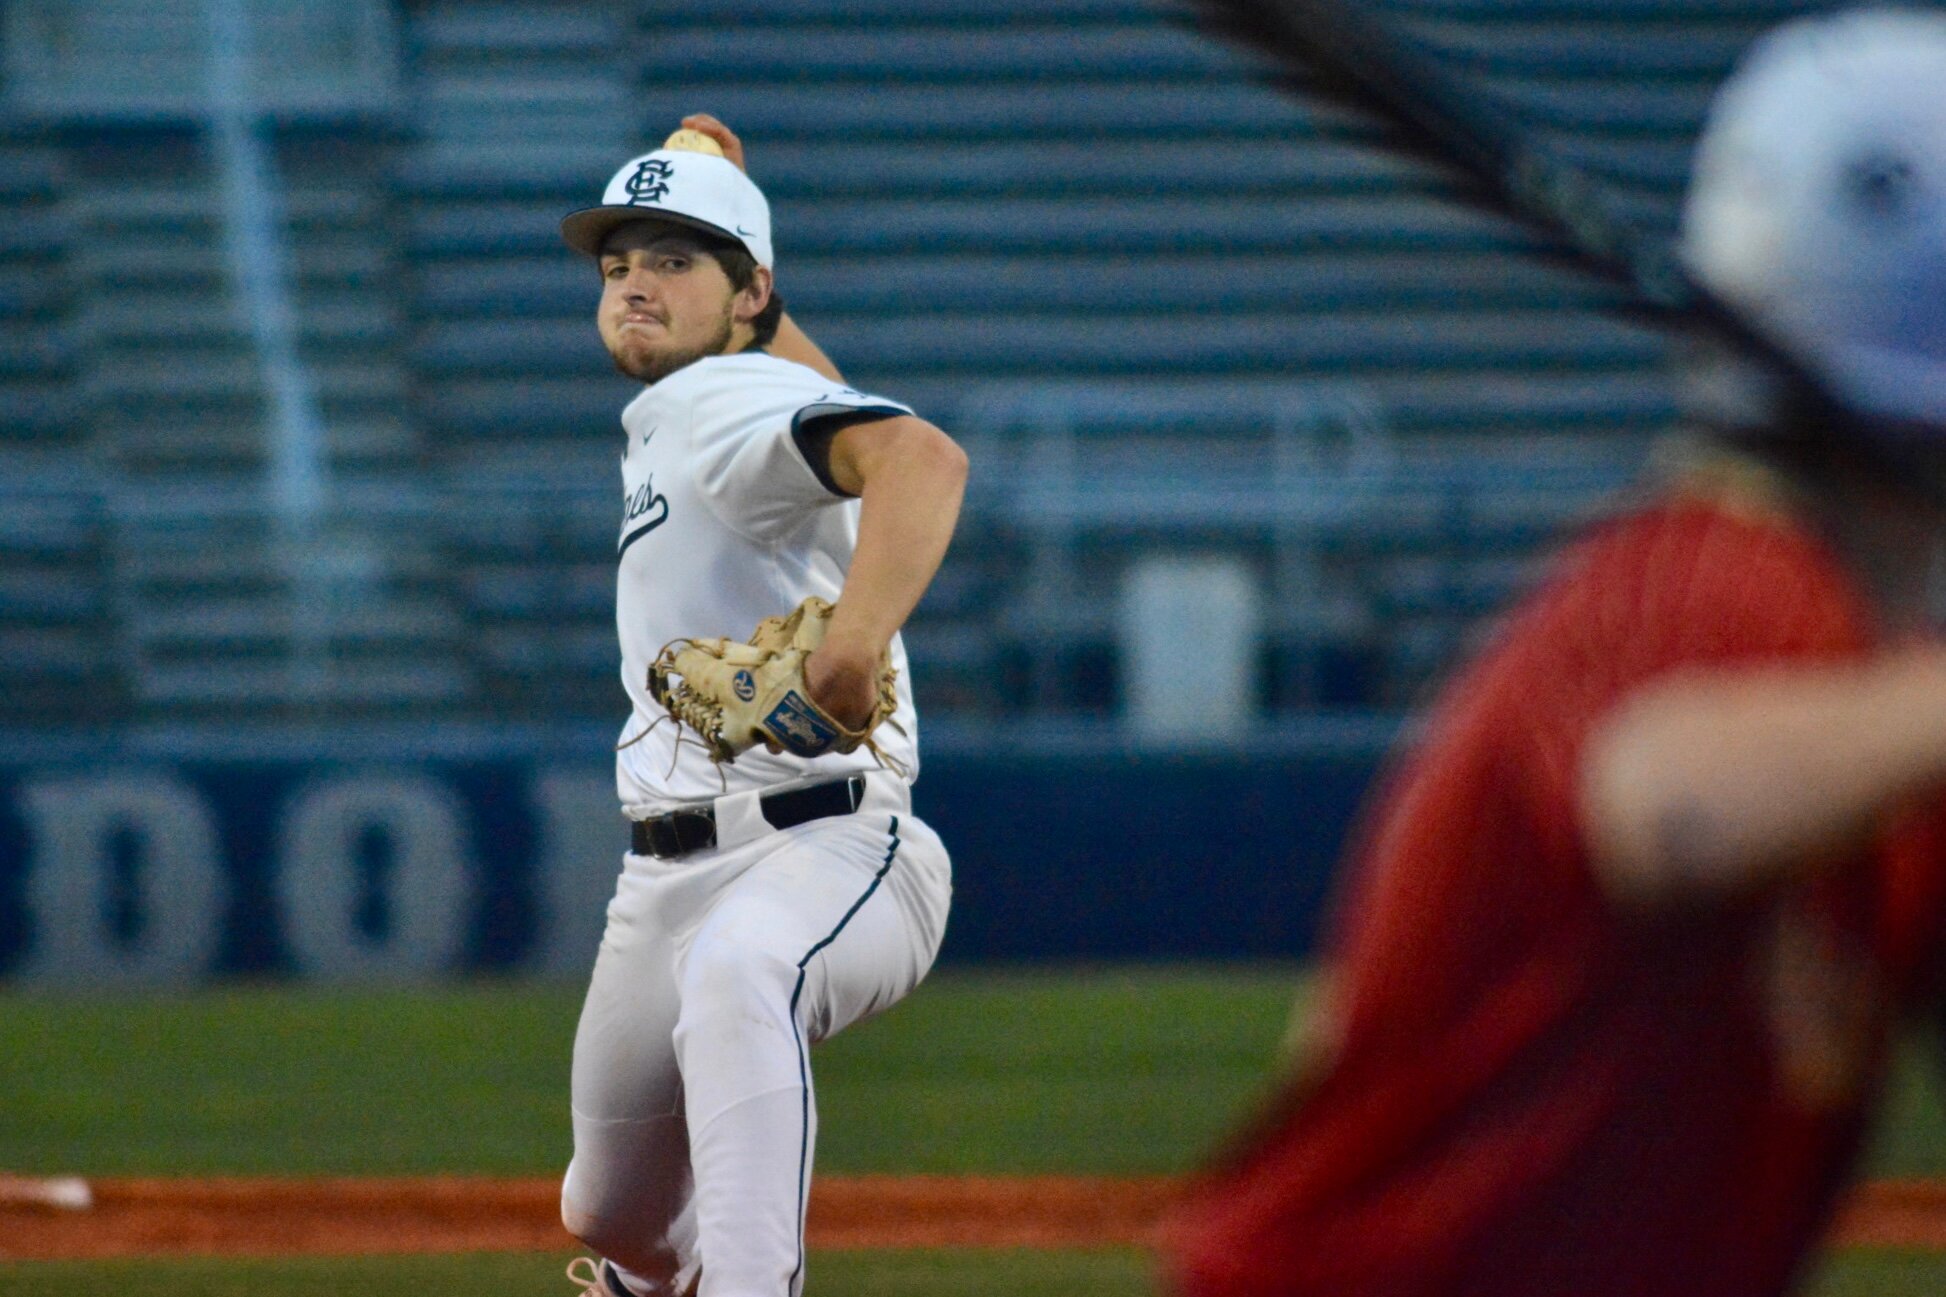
1305	486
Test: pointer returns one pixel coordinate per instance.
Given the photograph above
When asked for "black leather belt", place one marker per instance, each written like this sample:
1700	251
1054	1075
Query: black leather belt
680	832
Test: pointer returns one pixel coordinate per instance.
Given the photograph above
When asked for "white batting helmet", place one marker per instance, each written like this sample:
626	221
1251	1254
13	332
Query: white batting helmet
1818	202
694	189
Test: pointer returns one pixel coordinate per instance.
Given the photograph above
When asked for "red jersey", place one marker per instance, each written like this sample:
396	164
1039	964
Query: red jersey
1535	1093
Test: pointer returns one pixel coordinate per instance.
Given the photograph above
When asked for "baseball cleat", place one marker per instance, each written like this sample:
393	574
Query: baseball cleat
595	1278
598	1279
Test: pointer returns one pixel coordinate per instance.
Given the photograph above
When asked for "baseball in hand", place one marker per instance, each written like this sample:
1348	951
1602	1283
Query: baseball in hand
689	141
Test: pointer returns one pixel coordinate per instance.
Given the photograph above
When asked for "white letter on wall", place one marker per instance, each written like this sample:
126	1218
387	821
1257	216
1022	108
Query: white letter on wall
321	887
73	823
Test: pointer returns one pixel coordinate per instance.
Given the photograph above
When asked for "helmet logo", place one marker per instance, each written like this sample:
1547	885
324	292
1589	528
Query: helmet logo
1879	184
649	182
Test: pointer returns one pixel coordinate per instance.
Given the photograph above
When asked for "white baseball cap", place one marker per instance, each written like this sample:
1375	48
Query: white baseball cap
694	189
1818	202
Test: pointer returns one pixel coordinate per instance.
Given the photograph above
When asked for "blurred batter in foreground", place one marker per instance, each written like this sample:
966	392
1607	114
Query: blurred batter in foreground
1622	947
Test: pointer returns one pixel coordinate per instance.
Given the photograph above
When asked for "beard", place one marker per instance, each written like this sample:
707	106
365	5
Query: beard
652	367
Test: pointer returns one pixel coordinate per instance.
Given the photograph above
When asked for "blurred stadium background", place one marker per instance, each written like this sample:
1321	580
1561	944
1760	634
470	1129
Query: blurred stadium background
307	452
307	473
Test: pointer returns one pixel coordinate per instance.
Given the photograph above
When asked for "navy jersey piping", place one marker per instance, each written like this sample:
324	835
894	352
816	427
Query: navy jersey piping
813	437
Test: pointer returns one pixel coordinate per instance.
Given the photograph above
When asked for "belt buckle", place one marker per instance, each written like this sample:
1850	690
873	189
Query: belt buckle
707	816
669	825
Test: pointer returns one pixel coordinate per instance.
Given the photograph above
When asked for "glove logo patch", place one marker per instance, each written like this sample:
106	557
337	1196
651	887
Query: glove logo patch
799	726
649	182
745	685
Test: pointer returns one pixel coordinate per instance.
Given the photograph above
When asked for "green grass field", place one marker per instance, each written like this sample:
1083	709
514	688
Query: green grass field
1108	1071
1105	1071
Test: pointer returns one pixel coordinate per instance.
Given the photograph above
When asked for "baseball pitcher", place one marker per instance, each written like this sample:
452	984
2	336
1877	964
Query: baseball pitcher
777	527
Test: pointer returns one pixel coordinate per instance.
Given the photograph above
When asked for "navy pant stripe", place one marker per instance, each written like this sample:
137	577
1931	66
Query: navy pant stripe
803	1052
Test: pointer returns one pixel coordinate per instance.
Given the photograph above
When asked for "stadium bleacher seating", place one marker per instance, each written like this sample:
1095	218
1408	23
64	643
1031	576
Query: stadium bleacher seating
57	630
1171	305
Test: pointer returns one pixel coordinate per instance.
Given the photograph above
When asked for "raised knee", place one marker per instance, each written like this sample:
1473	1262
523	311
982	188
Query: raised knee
584	1224
608	1227
611	1237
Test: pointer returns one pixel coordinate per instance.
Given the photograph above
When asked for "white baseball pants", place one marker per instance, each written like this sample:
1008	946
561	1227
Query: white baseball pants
694	1116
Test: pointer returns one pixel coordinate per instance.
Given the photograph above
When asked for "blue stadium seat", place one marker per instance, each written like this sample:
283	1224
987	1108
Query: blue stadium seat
1061	197
1021	52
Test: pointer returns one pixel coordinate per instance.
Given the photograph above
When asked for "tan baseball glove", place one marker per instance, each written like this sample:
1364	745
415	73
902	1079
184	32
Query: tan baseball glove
737	694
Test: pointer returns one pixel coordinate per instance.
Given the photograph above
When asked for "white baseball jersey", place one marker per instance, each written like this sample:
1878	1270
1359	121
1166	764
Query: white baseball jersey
724	523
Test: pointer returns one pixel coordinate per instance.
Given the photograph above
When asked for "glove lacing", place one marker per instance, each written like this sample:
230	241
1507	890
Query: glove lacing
704	715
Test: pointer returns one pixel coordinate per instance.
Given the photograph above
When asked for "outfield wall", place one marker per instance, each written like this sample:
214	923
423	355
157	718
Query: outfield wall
400	860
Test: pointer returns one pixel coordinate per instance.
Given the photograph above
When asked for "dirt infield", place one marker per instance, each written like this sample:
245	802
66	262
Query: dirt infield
264	1217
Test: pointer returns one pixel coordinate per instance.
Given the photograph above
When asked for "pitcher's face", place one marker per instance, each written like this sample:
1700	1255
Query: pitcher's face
665	301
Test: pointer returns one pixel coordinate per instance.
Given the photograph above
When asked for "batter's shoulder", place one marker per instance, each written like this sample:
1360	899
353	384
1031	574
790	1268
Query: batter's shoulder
1706	540
1692	568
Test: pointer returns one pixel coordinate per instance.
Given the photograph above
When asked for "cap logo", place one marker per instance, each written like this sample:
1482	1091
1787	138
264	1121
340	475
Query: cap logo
649	182
1880	184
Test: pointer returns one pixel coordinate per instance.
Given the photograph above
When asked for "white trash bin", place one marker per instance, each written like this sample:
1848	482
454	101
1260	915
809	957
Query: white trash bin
1191	629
